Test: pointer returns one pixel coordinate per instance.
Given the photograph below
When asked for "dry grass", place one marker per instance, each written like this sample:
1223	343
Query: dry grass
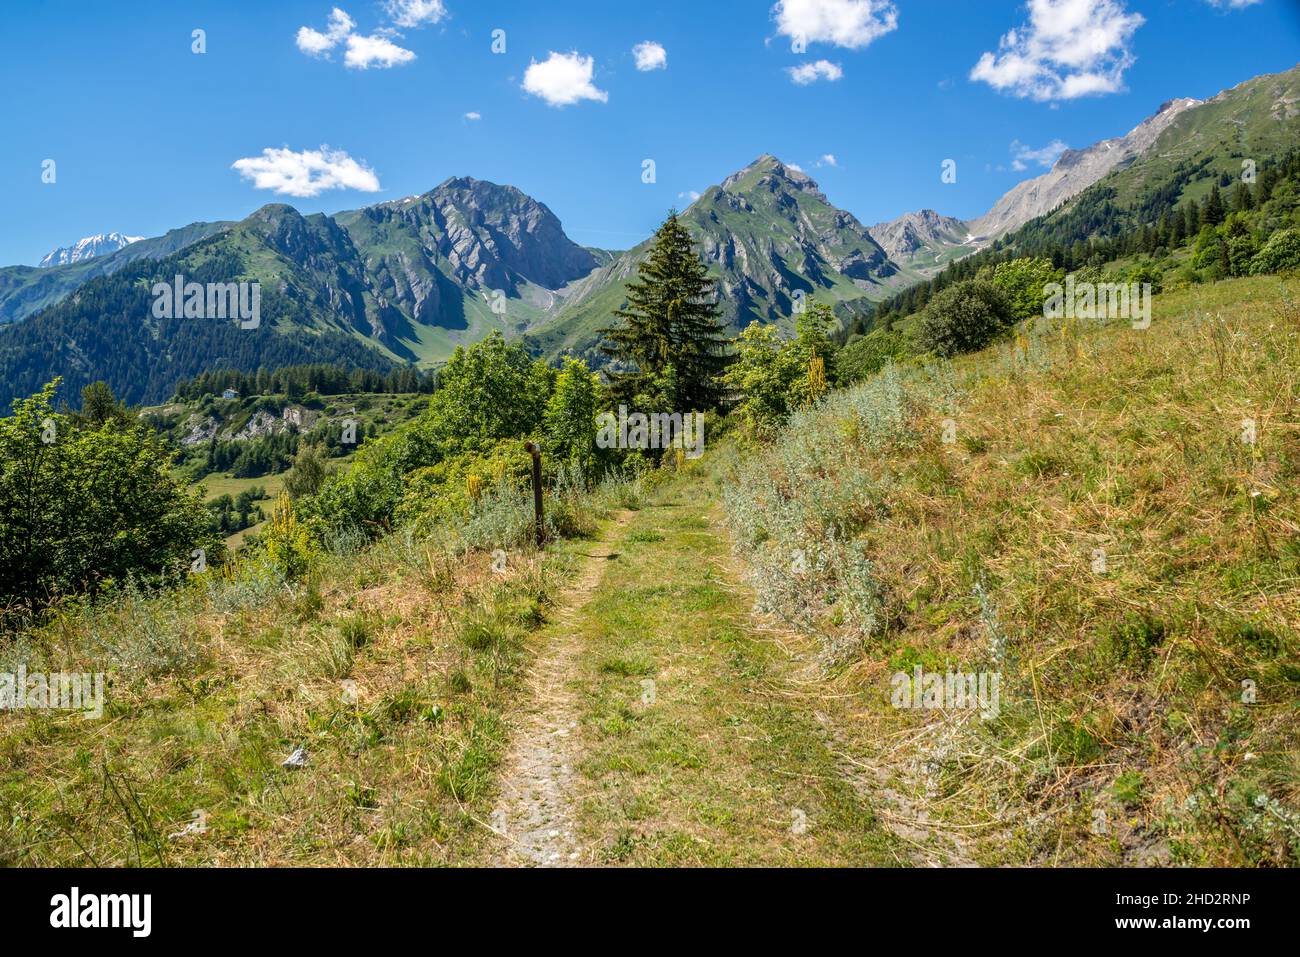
369	665
1124	736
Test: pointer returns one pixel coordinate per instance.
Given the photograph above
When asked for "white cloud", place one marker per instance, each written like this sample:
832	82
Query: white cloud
415	13
794	166
828	159
1232	4
1070	48
650	56
1045	156
845	23
315	43
689	194
362	52
376	51
473	115
306	173
563	79
807	73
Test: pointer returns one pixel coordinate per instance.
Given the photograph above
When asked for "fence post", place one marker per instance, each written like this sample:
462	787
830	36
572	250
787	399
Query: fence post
536	452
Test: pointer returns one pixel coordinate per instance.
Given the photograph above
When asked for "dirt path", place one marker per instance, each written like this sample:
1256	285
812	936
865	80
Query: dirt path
665	725
535	815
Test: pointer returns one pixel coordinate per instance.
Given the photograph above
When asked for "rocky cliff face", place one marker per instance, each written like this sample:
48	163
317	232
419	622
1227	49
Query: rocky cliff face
493	235
425	255
1074	172
912	233
771	232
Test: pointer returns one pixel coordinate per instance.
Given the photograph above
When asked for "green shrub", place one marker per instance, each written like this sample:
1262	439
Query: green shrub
1024	282
866	355
1280	253
85	505
963	318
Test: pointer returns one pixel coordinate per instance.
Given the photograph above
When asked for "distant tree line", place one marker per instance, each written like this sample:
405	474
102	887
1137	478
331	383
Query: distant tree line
231	514
106	332
298	380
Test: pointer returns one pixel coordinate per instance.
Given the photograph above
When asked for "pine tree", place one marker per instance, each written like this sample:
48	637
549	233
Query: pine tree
1242	201
671	327
1178	229
1212	212
99	408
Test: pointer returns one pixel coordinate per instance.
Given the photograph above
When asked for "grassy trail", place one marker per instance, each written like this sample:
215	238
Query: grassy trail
536	815
667	727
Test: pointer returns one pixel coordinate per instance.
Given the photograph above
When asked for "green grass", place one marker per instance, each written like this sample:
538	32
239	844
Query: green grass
1088	439
694	753
401	722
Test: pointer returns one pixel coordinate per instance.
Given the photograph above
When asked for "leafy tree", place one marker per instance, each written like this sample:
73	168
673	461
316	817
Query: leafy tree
1024	281
1281	252
307	474
1209	251
772	378
964	318
570	420
811	351
671	320
82	507
761	378
492	390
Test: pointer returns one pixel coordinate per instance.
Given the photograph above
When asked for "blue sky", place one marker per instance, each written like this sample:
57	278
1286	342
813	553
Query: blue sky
144	132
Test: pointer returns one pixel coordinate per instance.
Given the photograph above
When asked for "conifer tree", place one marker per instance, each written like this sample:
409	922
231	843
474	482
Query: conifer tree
1212	213
671	333
1242	201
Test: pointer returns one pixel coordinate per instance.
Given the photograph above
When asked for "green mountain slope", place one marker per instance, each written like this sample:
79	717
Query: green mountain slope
1254	120
402	282
769	234
25	290
1257	122
312	310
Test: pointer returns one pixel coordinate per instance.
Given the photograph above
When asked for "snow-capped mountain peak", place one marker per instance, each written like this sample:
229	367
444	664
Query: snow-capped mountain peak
88	248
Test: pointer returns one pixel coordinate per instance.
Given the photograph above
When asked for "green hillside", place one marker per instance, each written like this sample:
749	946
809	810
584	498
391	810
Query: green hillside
26	290
768	234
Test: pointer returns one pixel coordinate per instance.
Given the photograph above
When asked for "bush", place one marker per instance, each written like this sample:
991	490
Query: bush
863	357
1024	283
1280	253
1146	273
963	318
773	377
84	506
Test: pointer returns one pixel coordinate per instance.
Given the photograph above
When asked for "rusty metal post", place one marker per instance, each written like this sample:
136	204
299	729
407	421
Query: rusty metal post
536	452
